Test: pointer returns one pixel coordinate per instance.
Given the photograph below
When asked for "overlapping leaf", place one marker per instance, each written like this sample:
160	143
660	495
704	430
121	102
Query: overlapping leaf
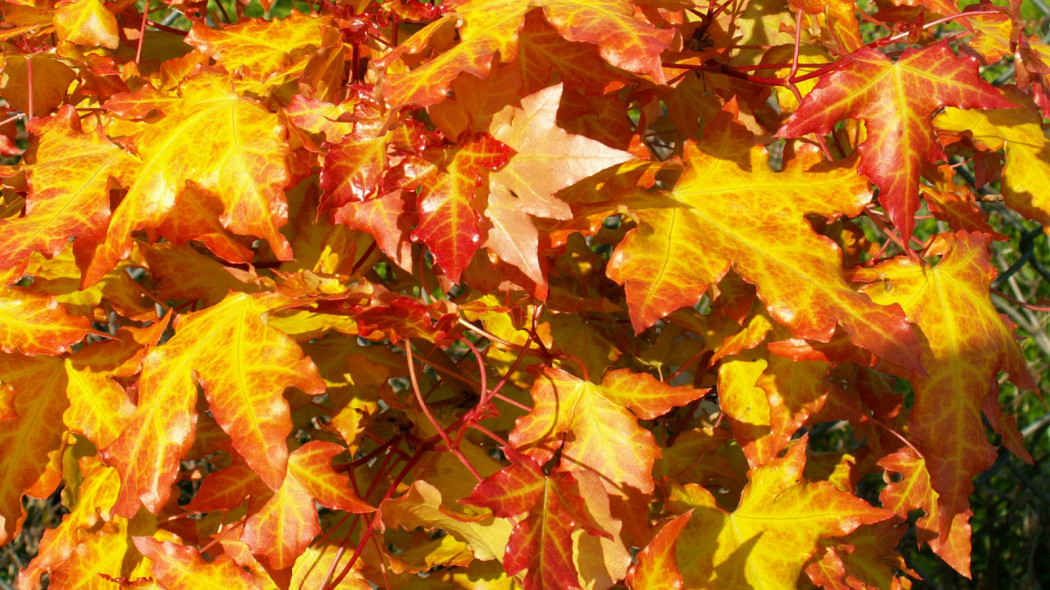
541	542
605	435
896	100
244	367
94	498
1027	169
449	223
69	179
967	345
729	210
260	48
280	526
37	324
622	39
29	440
747	548
657	568
490	28
425	131
87	22
228	146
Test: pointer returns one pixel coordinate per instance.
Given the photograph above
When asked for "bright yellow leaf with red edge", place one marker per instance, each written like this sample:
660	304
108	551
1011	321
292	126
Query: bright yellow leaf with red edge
1026	173
895	100
259	48
657	568
280	526
244	367
37	324
178	567
39	385
231	147
775	529
967	344
541	543
992	32
732	210
87	22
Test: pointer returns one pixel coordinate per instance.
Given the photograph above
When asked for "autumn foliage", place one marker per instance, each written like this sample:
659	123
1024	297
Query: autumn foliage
507	293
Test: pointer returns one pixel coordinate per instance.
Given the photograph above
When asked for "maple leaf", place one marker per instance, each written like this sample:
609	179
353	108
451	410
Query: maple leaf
896	101
69	177
541	542
179	567
547	158
227	488
448	214
281	525
37	324
99	408
51	79
270	176
491	27
230	147
243	365
778	509
94	497
1020	131
352	169
622	39
967	344
947	533
606	437
866	558
544	56
422	506
486	27
657	568
107	554
740	214
259	48
29	439
767	401
87	22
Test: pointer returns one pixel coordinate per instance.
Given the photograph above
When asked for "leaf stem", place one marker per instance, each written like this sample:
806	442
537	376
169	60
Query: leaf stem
142	33
29	84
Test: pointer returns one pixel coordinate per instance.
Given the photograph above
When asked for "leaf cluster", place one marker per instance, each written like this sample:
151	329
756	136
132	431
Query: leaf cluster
516	293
